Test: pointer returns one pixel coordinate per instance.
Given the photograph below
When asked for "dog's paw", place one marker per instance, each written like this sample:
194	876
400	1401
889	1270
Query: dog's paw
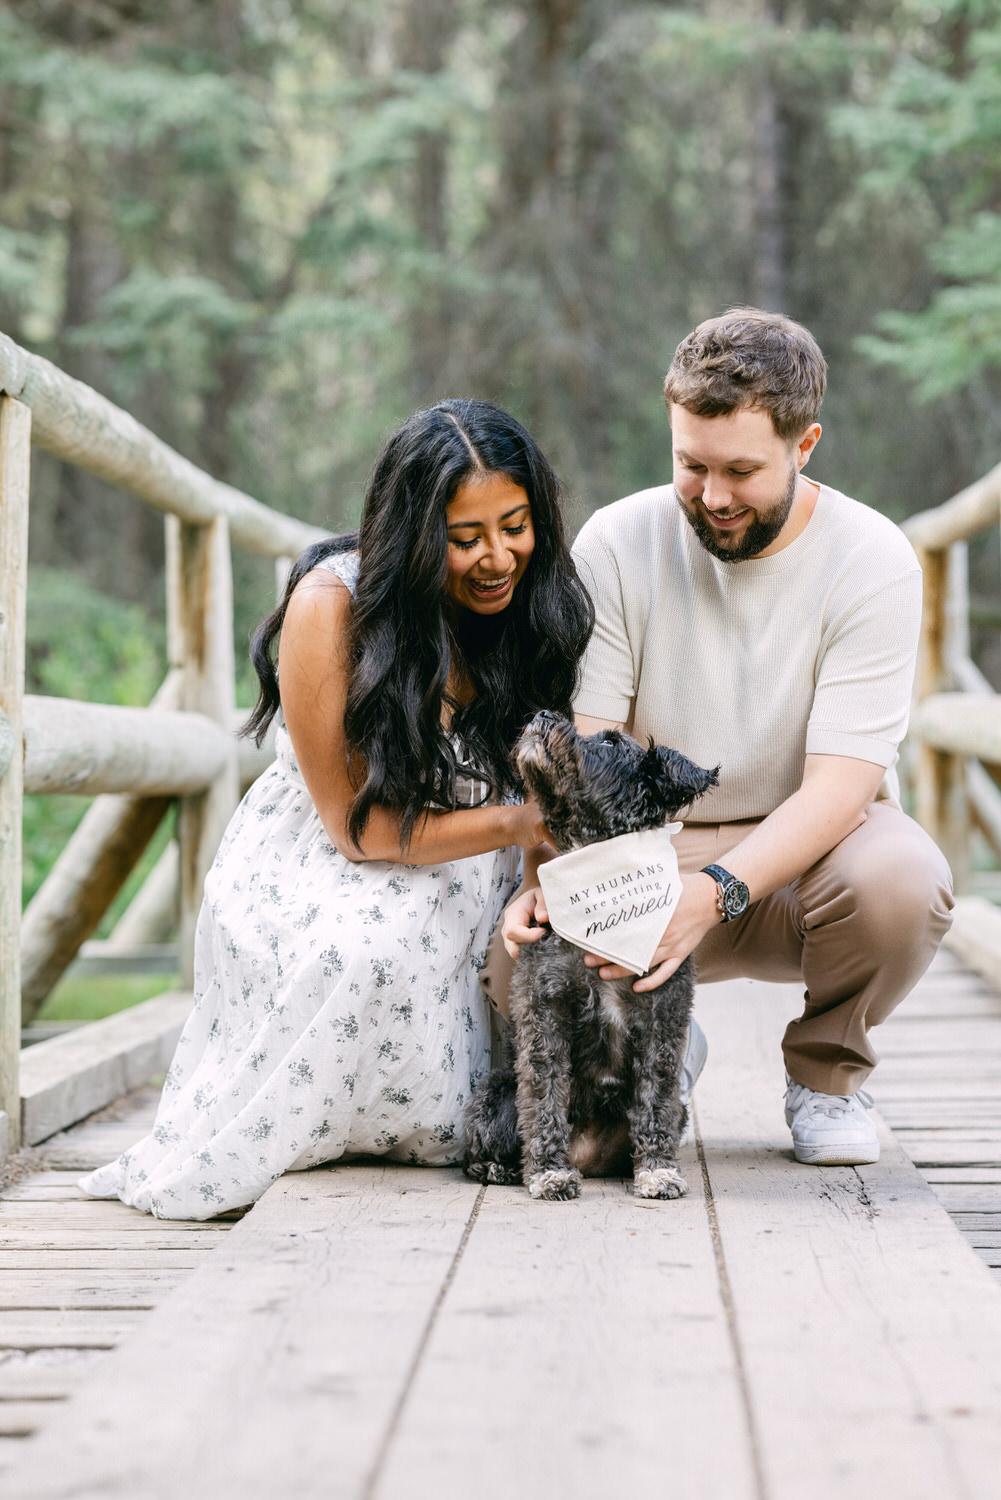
659	1182
492	1171
557	1184
496	1171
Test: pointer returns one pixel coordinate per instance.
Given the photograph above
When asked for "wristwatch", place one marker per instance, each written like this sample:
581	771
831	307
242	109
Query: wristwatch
732	895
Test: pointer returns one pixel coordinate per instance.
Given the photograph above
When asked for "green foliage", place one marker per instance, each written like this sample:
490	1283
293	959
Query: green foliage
170	325
272	230
48	822
83	644
93	100
933	126
90	999
949	345
46	825
19	264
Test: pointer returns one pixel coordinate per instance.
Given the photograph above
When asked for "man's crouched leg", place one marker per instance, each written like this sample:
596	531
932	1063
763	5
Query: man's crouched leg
859	928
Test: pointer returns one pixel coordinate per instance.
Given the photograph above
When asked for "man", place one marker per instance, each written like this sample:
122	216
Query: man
754	619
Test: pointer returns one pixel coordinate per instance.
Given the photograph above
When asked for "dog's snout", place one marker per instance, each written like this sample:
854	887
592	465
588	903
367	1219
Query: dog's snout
543	720
538	739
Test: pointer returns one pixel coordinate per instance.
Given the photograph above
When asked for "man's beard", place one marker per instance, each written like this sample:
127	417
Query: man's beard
760	534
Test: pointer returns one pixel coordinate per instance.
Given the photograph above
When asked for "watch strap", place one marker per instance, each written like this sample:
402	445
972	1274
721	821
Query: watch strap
724	880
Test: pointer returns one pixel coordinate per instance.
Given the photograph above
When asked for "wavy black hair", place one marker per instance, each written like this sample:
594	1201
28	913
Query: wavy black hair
404	637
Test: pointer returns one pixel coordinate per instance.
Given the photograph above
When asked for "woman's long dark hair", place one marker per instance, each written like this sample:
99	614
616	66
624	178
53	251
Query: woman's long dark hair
404	638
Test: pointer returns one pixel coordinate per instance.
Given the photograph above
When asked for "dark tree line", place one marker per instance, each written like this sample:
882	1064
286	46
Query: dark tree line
270	230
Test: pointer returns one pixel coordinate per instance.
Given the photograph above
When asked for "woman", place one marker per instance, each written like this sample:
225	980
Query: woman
346	916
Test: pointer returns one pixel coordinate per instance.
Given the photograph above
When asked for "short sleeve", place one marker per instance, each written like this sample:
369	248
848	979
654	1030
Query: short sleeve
608	671
866	675
344	565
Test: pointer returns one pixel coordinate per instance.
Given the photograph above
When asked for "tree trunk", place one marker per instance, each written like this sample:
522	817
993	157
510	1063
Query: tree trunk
424	34
769	276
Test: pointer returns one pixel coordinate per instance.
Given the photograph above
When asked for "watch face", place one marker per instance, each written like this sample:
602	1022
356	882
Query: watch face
735	898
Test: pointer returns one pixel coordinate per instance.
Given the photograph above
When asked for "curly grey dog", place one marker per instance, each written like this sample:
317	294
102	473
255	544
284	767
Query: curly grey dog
597	1067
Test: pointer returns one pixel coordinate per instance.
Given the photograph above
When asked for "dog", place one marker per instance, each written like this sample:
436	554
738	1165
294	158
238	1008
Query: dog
597	1067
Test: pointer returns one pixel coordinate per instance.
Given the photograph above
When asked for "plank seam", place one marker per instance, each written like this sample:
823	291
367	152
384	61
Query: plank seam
729	1307
382	1452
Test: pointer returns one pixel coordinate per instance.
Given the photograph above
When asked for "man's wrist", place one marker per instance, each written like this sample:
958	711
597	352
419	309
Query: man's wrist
732	895
709	897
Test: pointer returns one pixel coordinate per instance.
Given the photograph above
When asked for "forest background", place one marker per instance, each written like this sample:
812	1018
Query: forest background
271	228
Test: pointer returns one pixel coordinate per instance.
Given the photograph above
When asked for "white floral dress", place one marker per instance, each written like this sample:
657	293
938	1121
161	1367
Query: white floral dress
337	1009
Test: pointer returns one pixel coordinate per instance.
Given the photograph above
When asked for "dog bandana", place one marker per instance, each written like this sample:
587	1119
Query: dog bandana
615	898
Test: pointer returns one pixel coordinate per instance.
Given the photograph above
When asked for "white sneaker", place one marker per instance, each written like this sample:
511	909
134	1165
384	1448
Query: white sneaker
831	1130
696	1052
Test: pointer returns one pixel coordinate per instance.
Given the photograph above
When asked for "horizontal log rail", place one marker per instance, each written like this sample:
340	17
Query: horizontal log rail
973	510
89	748
50	738
82	427
960	724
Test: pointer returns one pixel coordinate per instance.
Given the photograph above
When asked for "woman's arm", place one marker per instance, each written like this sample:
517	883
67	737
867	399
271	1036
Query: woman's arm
313	679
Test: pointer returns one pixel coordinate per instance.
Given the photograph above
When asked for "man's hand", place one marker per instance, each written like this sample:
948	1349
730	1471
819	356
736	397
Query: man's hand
517	922
696	913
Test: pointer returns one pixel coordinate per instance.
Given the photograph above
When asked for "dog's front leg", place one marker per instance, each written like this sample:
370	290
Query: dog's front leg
543	1062
656	1114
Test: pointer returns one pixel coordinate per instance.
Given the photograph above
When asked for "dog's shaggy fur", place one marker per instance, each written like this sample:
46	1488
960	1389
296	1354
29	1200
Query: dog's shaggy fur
597	1066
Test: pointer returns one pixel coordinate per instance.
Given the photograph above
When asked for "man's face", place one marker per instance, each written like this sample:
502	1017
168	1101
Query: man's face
739	483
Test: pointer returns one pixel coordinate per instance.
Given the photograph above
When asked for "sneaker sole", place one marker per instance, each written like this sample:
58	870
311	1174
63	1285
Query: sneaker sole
696	1052
837	1156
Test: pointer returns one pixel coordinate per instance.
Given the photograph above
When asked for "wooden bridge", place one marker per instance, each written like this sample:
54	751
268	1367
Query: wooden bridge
380	1331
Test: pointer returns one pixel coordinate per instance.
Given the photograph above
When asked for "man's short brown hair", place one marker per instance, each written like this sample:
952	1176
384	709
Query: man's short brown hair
750	358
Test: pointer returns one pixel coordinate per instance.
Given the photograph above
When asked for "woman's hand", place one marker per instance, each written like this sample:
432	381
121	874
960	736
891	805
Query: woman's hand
529	829
696	913
524	920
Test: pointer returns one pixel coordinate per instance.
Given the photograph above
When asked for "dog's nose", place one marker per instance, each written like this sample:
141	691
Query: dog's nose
544	716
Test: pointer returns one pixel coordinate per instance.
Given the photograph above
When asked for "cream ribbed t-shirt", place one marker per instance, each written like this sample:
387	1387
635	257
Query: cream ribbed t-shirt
752	665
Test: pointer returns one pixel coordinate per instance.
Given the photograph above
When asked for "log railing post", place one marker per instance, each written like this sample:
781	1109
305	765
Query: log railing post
15	461
200	645
957	815
940	777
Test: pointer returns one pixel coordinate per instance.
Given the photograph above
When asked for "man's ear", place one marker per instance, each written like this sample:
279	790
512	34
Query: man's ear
806	444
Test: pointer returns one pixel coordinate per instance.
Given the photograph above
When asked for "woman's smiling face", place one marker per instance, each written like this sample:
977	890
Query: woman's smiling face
490	541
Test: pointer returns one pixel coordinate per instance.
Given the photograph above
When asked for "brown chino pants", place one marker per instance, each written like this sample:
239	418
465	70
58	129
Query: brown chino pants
858	929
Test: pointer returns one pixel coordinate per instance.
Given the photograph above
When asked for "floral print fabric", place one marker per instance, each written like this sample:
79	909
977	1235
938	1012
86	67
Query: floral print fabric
337	1010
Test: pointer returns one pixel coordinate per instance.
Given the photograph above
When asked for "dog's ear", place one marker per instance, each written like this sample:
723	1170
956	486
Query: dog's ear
678	779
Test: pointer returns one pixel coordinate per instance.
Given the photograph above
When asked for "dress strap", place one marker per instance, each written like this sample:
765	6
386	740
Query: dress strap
345	565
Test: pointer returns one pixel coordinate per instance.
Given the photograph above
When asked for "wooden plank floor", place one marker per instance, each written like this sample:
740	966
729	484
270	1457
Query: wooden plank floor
76	1276
376	1332
939	1088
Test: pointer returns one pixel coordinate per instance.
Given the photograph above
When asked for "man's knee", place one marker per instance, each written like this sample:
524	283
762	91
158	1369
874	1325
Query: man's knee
895	879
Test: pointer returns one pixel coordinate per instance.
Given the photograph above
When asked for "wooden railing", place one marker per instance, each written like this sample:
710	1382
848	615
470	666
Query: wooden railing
956	722
135	762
